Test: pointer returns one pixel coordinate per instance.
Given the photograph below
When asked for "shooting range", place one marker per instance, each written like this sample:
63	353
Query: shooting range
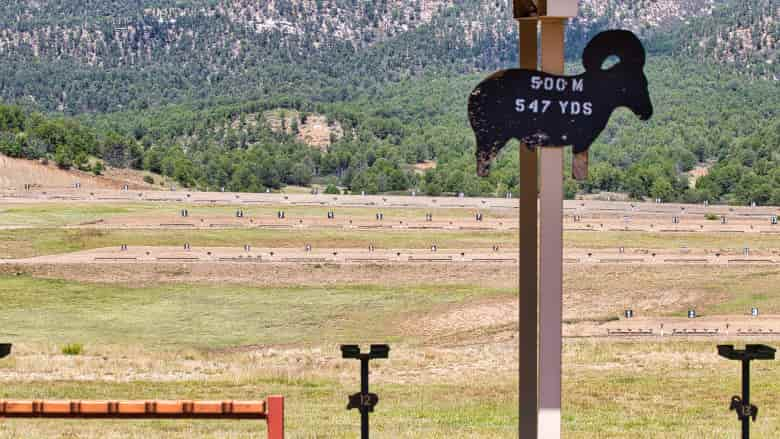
545	111
219	219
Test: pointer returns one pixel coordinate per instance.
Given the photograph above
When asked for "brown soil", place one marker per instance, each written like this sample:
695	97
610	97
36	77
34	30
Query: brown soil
315	131
315	274
697	173
424	166
15	173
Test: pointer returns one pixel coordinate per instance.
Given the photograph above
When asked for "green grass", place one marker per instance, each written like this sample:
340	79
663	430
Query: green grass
22	243
145	325
748	289
712	241
314	409
56	214
647	389
213	316
44	234
72	349
63	214
661	390
611	390
29	242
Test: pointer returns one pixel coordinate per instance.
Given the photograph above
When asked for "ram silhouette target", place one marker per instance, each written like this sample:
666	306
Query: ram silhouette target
540	109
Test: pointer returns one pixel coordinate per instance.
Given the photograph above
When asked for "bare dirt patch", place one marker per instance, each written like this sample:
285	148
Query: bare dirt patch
267	274
16	173
422	167
475	321
313	129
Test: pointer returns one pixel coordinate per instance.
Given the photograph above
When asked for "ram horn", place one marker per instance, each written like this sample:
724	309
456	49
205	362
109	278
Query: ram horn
621	43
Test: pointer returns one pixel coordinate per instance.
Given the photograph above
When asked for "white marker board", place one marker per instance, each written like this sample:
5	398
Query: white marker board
562	8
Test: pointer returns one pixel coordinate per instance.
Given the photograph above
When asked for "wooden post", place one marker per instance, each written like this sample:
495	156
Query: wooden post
528	316
579	166
275	419
541	275
551	252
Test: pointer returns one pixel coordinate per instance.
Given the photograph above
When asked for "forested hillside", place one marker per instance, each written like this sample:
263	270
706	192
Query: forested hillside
183	88
109	55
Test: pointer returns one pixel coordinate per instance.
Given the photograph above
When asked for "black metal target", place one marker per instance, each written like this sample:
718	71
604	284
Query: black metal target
541	109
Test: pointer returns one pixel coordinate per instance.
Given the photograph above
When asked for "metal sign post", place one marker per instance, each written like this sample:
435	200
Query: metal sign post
364	401
745	410
545	110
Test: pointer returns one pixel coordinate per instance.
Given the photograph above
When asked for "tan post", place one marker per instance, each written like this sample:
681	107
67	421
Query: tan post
551	252
528	313
541	280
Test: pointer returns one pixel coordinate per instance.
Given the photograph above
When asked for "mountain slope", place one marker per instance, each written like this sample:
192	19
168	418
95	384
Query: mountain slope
109	55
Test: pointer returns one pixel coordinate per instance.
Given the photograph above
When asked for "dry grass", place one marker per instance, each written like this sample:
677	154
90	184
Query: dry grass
55	214
241	342
214	315
721	241
242	332
660	390
24	243
611	390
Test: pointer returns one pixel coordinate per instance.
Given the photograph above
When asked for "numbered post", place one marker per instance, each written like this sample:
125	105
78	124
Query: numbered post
364	401
745	410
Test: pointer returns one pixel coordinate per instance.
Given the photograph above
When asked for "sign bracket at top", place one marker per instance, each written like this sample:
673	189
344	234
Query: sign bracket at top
534	9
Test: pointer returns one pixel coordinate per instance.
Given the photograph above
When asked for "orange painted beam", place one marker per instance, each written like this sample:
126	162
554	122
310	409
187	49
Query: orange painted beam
133	409
271	410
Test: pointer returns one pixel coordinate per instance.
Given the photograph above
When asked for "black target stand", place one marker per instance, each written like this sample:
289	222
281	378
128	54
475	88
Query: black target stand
5	350
745	410
364	401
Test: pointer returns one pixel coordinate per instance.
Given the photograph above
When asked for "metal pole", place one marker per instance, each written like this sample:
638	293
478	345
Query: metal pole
364	391
746	397
551	253
528	338
364	401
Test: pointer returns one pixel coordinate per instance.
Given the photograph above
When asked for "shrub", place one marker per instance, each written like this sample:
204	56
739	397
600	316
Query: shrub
332	190
81	162
97	168
711	217
148	179
63	157
73	349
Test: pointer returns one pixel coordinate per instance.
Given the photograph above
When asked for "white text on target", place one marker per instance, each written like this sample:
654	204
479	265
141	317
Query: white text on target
541	106
557	84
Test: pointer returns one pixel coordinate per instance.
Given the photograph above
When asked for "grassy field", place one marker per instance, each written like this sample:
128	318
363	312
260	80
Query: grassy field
315	409
43	231
64	214
159	337
453	366
678	389
215	316
611	390
29	242
698	240
56	214
21	243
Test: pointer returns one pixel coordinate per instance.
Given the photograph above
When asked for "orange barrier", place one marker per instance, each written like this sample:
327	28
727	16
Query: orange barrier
271	410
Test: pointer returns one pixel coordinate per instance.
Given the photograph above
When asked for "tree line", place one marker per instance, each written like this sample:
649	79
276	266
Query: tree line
705	116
